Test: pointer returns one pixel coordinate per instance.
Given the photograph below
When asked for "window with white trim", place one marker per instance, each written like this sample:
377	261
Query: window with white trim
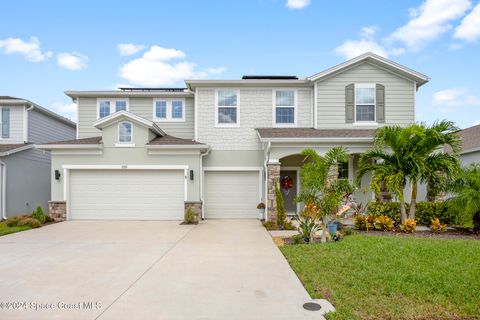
125	132
227	108
5	122
108	106
365	102
169	110
285	107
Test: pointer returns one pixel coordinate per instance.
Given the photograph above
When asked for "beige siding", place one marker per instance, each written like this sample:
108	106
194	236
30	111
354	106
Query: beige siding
16	124
142	107
256	110
399	96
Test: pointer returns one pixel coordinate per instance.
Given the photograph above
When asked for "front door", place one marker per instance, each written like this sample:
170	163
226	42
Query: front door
289	189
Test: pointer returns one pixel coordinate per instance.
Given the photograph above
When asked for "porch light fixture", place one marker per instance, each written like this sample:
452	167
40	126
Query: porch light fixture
57	175
191	175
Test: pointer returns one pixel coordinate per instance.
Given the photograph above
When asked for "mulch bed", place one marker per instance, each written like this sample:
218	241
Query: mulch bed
458	233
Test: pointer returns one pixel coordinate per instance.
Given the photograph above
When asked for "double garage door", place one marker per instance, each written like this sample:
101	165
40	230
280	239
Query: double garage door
232	194
127	194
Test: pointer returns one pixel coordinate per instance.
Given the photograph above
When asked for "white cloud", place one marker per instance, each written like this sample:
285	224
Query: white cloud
297	4
452	98
368	32
68	110
29	49
127	49
353	48
154	68
72	61
428	22
469	29
476	123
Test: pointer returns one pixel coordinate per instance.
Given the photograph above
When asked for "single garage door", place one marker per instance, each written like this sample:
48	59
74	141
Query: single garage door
231	195
127	194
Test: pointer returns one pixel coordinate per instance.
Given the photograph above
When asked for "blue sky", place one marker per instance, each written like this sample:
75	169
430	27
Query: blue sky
47	47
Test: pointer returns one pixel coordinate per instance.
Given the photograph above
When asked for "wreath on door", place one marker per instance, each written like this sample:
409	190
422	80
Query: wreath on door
286	183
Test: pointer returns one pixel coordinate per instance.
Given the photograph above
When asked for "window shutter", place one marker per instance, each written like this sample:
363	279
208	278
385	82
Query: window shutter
5	123
350	103
380	100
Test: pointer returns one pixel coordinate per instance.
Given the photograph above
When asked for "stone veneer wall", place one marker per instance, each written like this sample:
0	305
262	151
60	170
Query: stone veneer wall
273	174
57	210
197	208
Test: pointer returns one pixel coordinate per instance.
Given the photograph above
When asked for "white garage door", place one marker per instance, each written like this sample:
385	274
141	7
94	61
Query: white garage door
231	195
127	194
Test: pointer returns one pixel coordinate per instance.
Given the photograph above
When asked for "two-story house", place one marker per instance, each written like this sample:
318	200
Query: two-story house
25	171
220	145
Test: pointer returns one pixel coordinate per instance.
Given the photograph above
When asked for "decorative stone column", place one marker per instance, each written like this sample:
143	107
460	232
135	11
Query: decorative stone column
57	210
196	207
273	177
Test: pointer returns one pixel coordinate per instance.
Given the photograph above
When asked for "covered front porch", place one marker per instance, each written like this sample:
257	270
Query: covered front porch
284	160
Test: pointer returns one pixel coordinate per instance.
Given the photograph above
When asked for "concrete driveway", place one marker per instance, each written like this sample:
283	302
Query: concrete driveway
148	270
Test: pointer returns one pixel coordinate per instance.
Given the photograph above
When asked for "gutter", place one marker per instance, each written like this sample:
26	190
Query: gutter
339	139
201	181
4	190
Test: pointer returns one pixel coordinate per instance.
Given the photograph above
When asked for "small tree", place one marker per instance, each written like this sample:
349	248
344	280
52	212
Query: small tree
39	215
281	212
466	189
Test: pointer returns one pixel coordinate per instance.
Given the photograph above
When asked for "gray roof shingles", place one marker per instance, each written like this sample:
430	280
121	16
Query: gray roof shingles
92	140
268	133
171	140
470	138
10	147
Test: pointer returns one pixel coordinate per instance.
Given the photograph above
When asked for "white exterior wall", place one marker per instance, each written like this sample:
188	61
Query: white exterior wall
399	96
255	111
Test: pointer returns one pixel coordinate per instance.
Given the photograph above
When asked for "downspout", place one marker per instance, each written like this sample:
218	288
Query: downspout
4	189
201	180
265	166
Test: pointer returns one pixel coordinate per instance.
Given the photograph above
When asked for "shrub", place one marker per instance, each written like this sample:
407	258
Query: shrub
39	215
189	216
384	223
289	226
307	227
360	222
281	212
297	239
370	221
31	222
270	225
409	226
425	212
12	221
348	232
437	226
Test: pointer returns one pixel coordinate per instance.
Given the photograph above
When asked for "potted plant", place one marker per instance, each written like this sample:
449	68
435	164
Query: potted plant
261	210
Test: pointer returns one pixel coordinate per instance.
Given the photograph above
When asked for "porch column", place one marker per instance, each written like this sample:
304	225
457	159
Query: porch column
273	177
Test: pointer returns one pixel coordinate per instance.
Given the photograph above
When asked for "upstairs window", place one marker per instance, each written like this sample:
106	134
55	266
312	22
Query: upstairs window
365	102
5	121
108	106
227	108
169	110
125	132
285	107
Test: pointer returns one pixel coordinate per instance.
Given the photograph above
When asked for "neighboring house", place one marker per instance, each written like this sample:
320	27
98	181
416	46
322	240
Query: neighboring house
470	145
220	145
25	170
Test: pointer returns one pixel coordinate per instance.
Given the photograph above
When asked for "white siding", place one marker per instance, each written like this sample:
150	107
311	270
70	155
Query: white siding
256	111
399	96
142	107
16	125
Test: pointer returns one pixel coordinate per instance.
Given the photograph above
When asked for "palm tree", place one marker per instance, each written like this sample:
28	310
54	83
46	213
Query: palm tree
390	168
466	189
320	183
432	165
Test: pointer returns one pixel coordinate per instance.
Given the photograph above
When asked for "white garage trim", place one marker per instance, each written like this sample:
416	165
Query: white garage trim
67	168
233	169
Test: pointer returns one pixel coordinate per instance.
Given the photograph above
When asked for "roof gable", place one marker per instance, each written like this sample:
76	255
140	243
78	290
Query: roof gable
125	115
379	61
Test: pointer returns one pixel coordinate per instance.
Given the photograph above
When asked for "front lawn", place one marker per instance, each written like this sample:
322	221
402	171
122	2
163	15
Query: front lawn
4	229
385	277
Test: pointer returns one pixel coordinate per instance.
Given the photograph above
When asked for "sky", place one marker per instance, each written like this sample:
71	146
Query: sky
48	47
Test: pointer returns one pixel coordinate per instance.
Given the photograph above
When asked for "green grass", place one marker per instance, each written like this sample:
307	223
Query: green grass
7	230
384	277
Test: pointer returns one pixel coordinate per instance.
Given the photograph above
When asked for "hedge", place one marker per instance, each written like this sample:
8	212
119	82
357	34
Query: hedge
426	211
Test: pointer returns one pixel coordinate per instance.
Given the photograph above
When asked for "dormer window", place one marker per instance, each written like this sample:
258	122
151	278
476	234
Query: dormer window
125	132
108	106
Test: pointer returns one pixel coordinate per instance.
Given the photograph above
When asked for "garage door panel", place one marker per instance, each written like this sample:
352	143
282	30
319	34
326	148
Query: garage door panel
231	194
127	194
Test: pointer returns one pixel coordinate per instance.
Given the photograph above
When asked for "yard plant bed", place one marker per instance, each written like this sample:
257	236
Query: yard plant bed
389	277
458	233
4	229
